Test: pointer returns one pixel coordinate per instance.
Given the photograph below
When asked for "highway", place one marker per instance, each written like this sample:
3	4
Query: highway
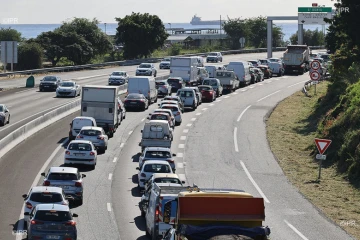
221	144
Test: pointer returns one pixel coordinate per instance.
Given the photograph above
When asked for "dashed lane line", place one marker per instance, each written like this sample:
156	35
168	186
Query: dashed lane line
268	96
243	112
183	138
296	231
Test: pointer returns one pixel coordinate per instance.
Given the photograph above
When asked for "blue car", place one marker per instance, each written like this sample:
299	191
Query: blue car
51	221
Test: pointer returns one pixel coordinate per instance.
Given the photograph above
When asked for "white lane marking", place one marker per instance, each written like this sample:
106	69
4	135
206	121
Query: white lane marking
179	165
181	145
296	84
189	125
110	176
115	159
38	98
276	79
253	182
219	100
285	76
243	90
143	119
179	155
295	230
193	119
24	91
251	87
182	177
108	206
260	84
20	225
198	114
268	81
225	97
235	140
211	104
185	130
243	112
234	93
268	95
130	132
183	138
204	109
121	145
9	106
82	78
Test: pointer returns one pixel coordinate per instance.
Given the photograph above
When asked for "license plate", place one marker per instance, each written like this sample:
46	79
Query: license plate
133	102
52	237
79	154
46	86
63	187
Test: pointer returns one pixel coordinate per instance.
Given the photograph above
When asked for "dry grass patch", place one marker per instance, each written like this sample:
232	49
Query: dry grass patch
291	129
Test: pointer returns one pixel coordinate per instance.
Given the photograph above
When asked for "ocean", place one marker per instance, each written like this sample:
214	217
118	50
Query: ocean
32	30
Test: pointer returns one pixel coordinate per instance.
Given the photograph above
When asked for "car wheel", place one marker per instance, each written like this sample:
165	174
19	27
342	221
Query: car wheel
8	121
80	201
93	167
144	108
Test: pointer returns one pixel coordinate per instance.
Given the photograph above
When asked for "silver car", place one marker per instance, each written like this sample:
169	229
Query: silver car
118	78
4	115
158	153
68	89
96	135
146	69
163	87
165	63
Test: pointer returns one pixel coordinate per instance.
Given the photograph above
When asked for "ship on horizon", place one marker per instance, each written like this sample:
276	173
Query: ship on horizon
197	21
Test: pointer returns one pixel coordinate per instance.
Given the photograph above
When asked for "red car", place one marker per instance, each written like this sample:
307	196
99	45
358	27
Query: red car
207	92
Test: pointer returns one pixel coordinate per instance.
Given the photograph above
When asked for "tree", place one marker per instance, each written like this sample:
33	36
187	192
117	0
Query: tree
9	34
141	34
311	38
30	56
52	43
236	28
257	31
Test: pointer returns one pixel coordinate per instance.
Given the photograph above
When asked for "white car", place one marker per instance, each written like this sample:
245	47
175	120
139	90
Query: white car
149	168
158	153
165	63
96	135
118	78
41	194
188	97
198	94
167	111
81	152
146	69
175	110
68	89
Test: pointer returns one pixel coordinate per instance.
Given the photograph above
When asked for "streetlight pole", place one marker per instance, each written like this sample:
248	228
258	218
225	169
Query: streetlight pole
170	28
105	27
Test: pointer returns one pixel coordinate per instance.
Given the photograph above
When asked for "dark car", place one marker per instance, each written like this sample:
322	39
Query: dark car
49	83
176	83
266	70
4	115
136	101
207	92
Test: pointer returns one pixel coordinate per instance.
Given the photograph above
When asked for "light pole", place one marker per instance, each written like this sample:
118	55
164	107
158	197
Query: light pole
170	28
105	27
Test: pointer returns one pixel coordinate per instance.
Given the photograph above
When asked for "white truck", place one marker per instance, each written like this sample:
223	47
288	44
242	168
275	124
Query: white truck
296	59
156	133
101	103
186	68
228	80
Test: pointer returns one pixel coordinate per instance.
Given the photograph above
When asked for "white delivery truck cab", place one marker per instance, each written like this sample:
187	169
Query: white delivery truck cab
101	103
79	122
144	85
186	68
242	70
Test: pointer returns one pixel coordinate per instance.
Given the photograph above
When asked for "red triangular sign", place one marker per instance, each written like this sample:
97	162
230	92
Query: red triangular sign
322	144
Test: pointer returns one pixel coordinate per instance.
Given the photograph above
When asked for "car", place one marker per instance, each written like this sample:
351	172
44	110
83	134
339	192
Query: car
175	110
214	57
207	93
255	63
260	74
175	98
200	61
41	194
96	135
162	116
68	89
202	74
149	168
173	102
51	221
163	87
158	153
264	62
189	97
254	76
176	83
167	111
136	101
122	109
266	70
165	63
215	84
325	57
118	78
68	178
4	115
81	152
198	94
276	60
49	83
146	69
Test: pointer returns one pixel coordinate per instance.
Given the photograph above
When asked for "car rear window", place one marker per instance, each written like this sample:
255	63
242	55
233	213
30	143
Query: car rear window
90	132
159	117
204	88
167	180
62	176
174	109
163	112
80	147
157	154
157	168
43	197
53	216
173	81
185	94
160	83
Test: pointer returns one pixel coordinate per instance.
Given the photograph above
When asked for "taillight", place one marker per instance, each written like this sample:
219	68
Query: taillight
64	203
67	152
78	184
157	219
34	222
170	161
100	137
46	183
70	223
143	175
28	205
178	113
92	153
142	100
79	136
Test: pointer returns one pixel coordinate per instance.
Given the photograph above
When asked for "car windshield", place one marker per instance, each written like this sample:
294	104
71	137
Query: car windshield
46	197
157	154
1	108
145	66
253	62
204	88
173	81
157	168
118	74
263	61
63	176
174	109
167	180
67	84
166	59
80	147
210	82
160	83
159	117
212	54
171	98
184	94
90	132
50	78
163	112
53	216
135	96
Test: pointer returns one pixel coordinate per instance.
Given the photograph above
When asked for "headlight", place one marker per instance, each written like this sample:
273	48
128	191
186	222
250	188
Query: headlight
165	137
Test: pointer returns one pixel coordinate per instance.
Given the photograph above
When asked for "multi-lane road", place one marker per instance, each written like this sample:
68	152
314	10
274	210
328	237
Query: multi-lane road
221	144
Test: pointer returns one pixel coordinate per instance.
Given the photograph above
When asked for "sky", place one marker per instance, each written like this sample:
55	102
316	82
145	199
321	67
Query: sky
169	11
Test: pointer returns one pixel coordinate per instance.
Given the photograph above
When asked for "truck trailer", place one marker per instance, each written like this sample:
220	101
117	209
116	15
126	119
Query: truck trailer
186	68
296	59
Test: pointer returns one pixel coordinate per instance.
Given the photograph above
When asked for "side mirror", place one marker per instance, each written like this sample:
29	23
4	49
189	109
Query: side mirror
174	155
158	104
83	175
24	195
141	131
75	215
43	174
183	182
26	214
137	168
148	118
149	113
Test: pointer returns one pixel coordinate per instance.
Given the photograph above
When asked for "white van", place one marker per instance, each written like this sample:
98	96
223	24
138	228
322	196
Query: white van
145	86
242	70
188	97
277	68
79	122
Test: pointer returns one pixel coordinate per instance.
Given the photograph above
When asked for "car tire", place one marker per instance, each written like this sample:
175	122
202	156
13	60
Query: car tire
93	167
144	108
80	202
8	121
155	74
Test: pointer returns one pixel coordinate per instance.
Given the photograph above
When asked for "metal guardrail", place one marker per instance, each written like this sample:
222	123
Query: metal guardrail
135	62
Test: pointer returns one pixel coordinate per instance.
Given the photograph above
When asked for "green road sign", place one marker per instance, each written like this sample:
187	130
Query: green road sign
314	9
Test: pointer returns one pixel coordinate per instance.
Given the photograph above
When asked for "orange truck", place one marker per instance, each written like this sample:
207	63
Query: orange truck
212	213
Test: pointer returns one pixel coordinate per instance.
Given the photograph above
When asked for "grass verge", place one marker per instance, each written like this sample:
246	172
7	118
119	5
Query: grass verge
291	129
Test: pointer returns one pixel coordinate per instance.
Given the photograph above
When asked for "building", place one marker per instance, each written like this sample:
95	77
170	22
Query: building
196	37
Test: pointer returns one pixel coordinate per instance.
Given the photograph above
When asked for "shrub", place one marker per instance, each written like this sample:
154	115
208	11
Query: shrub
175	49
30	56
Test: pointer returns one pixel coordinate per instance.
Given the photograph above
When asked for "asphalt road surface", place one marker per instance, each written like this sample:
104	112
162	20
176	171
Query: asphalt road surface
221	144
